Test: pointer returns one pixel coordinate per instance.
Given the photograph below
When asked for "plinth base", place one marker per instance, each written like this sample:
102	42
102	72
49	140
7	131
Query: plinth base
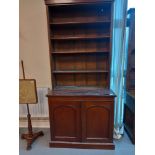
58	144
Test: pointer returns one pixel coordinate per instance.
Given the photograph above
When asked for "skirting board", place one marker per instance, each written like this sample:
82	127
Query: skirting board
36	122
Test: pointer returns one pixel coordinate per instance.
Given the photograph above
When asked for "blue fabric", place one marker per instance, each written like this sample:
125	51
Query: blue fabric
119	60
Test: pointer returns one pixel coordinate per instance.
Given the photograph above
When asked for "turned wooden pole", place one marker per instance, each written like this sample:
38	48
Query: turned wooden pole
29	121
28	111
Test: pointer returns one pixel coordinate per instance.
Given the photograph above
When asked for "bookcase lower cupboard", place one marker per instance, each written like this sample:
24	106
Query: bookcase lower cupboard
82	120
81	104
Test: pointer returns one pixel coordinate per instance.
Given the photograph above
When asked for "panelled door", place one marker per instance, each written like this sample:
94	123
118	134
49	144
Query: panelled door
97	121
65	121
82	121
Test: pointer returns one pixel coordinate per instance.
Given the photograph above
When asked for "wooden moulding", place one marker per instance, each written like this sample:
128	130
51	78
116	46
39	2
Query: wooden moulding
90	21
81	93
56	2
58	144
80	37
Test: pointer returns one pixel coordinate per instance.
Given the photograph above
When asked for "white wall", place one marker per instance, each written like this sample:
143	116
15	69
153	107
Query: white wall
34	50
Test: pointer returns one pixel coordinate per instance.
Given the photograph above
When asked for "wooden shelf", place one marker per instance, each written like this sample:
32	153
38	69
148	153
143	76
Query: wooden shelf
80	22
80	37
81	52
80	71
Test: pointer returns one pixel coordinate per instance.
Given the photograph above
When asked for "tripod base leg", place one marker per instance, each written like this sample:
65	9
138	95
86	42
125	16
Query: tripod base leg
31	137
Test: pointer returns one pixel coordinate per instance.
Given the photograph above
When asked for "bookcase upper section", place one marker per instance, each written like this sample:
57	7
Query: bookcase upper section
80	37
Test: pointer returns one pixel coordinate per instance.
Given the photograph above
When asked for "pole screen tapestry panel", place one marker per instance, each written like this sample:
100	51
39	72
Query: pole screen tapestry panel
27	91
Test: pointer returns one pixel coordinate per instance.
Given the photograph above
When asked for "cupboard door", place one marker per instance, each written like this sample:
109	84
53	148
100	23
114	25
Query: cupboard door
65	120
97	121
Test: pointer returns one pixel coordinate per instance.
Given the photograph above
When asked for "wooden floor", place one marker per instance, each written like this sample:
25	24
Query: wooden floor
40	147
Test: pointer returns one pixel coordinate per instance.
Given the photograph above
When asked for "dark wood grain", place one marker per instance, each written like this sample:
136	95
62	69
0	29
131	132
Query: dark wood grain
81	104
76	117
81	46
61	14
80	71
129	121
90	21
105	146
130	78
80	37
85	31
60	2
65	119
93	113
81	91
81	52
73	31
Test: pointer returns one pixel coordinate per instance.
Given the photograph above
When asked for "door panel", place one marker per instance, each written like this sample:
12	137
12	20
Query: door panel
66	117
97	120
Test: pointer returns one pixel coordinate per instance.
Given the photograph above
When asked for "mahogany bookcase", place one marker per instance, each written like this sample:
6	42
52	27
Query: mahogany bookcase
81	105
